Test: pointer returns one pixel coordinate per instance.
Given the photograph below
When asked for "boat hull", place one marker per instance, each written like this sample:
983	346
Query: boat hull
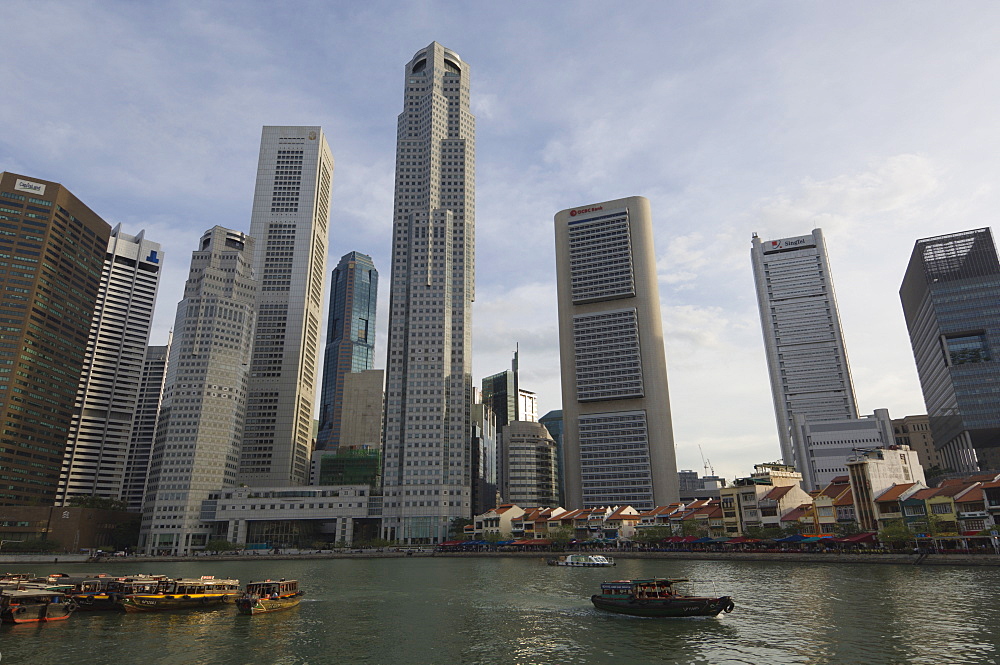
251	606
577	564
685	606
37	613
98	602
166	603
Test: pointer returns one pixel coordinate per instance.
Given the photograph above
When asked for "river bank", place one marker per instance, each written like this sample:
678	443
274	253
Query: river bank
393	553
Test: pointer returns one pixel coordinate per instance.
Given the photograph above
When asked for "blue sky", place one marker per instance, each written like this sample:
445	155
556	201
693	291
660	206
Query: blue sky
873	121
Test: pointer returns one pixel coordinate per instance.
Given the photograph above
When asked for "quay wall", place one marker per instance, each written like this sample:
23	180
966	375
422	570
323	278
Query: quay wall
390	553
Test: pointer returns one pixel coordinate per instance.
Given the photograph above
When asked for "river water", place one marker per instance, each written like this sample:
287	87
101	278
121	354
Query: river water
415	611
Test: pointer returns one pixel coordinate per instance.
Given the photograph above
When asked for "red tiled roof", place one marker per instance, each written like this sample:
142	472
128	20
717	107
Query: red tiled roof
777	493
794	514
894	492
924	494
845	499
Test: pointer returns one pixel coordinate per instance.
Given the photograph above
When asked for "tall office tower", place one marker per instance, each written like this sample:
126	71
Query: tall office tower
531	465
147	412
52	248
290	222
553	421
484	457
97	449
350	339
618	436
806	357
198	437
949	295
427	480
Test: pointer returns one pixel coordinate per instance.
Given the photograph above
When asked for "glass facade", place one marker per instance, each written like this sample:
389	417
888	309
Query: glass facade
951	302
350	338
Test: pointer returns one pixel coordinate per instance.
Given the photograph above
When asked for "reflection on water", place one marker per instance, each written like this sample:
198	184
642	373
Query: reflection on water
521	612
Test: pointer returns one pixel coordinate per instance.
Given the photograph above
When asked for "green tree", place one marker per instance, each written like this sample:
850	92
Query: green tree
652	535
895	533
31	545
219	545
560	537
457	527
97	502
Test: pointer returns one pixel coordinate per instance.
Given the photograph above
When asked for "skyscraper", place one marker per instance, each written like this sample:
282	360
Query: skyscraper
617	431
806	356
202	414
509	403
350	338
147	413
290	222
52	248
100	433
950	295
531	465
427	476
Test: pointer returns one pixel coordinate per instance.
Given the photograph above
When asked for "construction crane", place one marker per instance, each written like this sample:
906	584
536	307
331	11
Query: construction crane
706	463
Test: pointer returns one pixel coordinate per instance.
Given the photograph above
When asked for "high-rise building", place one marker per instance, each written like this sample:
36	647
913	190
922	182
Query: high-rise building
52	248
803	341
100	433
822	447
198	437
915	432
531	466
950	295
427	479
508	402
553	421
618	436
350	339
147	413
290	222
484	457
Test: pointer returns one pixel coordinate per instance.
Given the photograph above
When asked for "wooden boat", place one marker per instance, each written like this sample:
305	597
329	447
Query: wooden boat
583	561
269	596
33	605
108	593
184	594
656	597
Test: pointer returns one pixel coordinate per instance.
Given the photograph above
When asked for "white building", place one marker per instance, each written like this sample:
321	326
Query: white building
823	447
617	432
97	450
530	465
427	481
874	471
290	223
806	356
198	438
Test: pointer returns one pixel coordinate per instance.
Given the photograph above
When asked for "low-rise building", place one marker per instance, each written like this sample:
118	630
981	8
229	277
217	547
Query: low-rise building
873	471
741	501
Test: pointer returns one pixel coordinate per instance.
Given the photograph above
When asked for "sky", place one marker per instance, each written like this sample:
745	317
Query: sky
876	122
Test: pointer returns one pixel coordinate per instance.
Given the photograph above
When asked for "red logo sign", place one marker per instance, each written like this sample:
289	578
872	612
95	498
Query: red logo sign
584	211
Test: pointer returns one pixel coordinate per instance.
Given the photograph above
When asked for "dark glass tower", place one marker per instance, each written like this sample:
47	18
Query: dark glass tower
350	338
951	302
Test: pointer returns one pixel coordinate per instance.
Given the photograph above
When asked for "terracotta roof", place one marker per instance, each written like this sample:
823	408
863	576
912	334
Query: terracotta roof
845	499
993	485
955	490
777	493
624	512
500	510
924	494
794	514
974	494
894	492
840	480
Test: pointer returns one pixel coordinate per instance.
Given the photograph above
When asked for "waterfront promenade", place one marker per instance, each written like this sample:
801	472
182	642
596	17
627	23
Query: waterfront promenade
861	557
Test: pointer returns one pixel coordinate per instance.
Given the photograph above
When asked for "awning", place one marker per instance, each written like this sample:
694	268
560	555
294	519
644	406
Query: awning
741	539
857	538
794	538
452	543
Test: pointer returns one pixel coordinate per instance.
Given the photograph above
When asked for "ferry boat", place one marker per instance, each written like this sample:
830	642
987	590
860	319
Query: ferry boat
269	596
108	593
183	594
657	597
34	605
583	561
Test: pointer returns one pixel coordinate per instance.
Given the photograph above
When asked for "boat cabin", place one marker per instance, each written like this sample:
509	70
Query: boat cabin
273	589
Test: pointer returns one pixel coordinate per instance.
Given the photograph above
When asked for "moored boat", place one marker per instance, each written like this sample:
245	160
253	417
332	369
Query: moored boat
183	594
108	593
657	597
269	596
583	561
34	605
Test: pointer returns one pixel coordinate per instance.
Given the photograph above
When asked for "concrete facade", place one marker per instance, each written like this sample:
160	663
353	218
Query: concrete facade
290	223
874	471
531	465
803	340
428	460
823	447
618	435
95	462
